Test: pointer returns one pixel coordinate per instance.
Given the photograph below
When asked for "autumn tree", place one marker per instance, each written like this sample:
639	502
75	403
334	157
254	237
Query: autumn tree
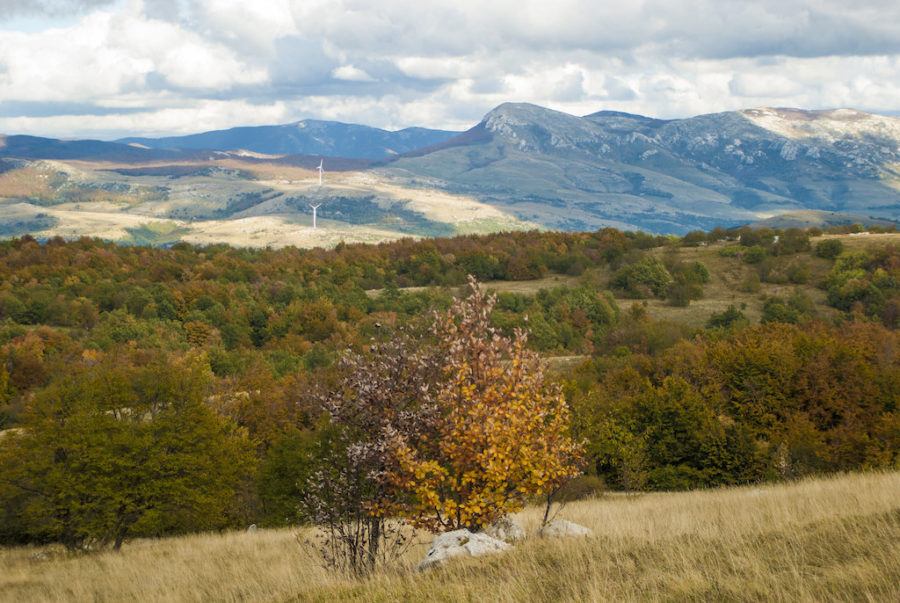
498	434
383	396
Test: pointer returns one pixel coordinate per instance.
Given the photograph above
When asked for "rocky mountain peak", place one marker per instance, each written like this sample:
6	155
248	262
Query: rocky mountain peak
827	125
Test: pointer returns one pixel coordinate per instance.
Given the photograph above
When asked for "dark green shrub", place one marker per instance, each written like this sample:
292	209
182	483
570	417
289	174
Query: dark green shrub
829	248
726	319
754	255
644	278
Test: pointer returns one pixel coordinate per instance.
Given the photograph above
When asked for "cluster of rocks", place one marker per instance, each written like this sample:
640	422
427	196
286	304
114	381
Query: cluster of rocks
496	538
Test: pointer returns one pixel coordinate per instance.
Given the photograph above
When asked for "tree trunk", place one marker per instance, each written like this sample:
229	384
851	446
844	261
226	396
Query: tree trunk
374	541
120	538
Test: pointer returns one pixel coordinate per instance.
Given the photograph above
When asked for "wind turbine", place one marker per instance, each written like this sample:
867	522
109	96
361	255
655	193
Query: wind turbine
315	207
321	170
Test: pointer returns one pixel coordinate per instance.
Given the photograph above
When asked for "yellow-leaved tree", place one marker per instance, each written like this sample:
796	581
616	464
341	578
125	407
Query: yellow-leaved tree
498	432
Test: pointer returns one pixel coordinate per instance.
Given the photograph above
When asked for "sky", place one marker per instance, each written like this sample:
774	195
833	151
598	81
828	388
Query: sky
112	68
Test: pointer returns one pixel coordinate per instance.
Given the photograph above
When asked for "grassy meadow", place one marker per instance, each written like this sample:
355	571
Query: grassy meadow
822	539
725	288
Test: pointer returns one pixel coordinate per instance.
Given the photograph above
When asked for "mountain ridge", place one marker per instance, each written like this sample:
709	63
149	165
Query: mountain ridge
304	137
610	168
569	172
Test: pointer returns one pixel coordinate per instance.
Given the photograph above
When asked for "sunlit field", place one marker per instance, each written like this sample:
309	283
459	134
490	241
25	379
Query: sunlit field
834	538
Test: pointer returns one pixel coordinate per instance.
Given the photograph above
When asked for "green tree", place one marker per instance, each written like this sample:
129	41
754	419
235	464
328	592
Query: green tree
110	452
646	277
284	471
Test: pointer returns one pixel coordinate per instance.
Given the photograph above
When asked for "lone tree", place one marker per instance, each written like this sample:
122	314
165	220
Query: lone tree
443	435
498	432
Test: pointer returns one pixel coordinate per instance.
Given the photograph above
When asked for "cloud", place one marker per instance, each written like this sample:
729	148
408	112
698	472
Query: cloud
351	74
15	8
145	65
764	85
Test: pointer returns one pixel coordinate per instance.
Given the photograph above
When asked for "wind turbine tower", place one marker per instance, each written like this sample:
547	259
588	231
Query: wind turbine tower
321	170
314	208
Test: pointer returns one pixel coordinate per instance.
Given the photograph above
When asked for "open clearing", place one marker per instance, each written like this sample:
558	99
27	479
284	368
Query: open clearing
835	538
727	275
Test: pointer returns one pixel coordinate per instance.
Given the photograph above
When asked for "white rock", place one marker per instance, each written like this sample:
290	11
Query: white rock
559	528
460	543
505	529
252	528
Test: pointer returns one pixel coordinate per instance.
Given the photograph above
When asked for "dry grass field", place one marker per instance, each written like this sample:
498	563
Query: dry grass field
826	539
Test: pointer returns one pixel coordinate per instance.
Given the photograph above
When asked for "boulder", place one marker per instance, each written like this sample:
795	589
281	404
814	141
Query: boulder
460	543
559	528
506	529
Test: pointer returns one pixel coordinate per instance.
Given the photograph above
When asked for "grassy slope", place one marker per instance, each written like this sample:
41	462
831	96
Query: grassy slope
834	538
726	275
110	200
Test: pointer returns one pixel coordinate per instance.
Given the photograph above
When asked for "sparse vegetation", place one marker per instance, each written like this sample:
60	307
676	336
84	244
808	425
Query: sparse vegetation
156	233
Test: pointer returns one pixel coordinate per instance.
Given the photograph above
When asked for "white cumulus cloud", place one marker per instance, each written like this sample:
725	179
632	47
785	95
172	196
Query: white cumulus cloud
71	68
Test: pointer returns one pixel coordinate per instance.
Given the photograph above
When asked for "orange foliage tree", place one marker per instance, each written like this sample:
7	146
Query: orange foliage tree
500	433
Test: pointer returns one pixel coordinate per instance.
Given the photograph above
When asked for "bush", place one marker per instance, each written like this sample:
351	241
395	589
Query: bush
797	308
798	273
681	293
584	486
754	255
496	433
751	283
829	248
730	317
792	240
694	239
731	251
642	279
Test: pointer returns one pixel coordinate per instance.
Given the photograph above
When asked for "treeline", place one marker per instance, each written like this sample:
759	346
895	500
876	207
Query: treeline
760	403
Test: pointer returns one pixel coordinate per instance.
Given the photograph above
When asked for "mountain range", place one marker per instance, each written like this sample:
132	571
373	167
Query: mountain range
307	137
555	170
669	175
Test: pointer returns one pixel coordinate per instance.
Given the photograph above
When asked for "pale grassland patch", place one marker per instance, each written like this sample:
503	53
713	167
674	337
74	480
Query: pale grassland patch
835	538
280	231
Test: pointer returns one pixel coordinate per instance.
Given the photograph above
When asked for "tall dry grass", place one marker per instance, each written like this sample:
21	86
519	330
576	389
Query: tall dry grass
823	539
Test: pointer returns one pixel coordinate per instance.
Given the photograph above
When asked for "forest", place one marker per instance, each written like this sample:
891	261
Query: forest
155	391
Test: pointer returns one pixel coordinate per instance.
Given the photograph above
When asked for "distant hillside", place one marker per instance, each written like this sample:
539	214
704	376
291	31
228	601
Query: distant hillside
532	166
618	169
308	137
819	219
36	147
